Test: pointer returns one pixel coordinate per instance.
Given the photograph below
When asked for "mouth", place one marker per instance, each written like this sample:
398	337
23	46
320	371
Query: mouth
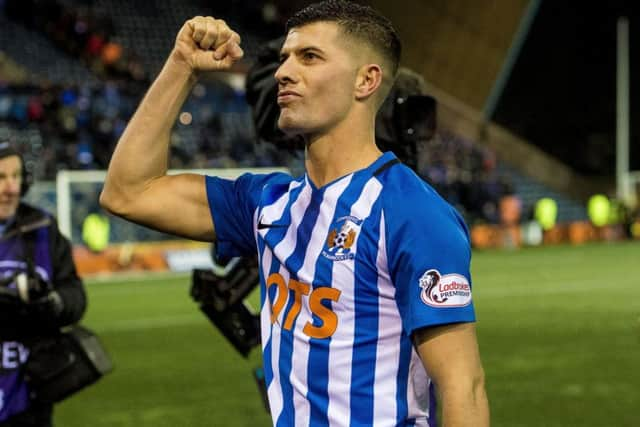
287	96
8	201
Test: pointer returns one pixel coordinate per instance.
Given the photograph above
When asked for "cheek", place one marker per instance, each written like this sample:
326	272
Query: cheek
335	95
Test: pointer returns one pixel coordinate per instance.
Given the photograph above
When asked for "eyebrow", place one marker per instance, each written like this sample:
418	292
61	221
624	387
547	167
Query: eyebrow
311	49
302	50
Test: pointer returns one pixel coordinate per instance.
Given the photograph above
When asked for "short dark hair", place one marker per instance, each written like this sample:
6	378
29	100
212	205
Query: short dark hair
7	149
362	22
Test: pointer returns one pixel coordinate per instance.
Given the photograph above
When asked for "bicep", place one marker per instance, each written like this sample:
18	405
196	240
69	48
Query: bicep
175	204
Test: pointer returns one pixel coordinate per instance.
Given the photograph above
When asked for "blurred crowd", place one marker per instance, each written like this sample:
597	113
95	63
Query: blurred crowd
82	34
465	174
75	126
65	127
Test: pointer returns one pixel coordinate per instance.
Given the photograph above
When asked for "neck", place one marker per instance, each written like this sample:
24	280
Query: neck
344	149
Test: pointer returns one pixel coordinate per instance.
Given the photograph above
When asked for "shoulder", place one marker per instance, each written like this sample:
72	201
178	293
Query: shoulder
247	190
33	221
411	205
406	194
267	179
29	214
252	180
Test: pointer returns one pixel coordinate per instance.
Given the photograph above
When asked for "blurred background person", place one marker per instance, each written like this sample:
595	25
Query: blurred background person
40	291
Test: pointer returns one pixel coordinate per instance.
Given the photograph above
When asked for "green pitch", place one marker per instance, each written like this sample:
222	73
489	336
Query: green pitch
559	330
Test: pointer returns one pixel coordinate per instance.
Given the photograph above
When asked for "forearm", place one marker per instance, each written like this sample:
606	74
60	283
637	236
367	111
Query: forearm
137	186
142	151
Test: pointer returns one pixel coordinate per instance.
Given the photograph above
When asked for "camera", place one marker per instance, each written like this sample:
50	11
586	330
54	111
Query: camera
221	294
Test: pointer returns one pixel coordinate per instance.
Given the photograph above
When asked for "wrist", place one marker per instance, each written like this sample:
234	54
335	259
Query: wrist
179	67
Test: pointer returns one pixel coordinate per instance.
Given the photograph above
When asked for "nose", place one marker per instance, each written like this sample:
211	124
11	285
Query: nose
284	73
12	185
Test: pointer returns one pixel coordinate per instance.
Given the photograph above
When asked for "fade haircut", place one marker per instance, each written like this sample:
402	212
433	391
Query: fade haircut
361	22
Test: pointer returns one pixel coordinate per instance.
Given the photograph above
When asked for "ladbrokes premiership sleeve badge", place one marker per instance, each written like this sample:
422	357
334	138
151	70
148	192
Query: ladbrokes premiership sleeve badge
450	290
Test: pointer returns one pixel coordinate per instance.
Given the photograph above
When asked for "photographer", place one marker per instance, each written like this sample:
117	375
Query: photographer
40	291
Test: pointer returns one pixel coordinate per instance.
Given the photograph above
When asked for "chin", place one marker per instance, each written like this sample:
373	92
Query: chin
288	126
7	211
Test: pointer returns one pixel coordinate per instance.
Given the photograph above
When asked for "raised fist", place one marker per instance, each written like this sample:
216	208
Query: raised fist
207	44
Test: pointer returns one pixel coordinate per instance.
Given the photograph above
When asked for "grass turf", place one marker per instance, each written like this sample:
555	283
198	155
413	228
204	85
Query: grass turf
559	331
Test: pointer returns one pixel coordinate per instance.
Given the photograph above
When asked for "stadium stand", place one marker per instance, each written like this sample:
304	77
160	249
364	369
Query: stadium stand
530	191
39	55
78	99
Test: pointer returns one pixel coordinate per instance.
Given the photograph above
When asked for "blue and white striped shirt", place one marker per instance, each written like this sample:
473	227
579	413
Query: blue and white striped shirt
348	271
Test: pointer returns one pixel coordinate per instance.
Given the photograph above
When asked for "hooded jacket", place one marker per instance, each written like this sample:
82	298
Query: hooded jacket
32	243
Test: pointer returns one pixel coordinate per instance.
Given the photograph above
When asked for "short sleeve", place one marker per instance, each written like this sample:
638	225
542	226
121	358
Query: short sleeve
233	204
429	260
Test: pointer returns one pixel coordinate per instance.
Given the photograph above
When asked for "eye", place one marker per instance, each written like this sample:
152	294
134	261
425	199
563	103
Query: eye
308	56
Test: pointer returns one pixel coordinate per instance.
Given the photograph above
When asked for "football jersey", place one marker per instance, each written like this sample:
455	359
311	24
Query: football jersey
347	272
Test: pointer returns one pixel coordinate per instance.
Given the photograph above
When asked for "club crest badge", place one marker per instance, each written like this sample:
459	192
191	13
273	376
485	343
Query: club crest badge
342	236
450	290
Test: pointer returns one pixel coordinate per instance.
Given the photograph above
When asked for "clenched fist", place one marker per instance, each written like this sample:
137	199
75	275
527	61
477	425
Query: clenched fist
207	44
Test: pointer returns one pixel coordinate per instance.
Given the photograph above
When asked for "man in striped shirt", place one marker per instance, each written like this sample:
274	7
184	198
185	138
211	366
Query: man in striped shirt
367	316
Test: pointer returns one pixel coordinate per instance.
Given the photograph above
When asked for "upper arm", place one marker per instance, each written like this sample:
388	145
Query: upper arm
234	205
175	204
450	355
429	261
451	358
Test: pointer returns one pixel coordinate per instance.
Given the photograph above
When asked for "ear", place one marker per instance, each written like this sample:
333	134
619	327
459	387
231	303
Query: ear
368	81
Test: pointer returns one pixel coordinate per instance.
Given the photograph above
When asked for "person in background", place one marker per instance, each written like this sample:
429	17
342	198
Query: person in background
40	291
